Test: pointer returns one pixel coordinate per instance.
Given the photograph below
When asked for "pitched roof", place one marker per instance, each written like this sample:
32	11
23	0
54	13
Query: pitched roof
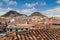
34	34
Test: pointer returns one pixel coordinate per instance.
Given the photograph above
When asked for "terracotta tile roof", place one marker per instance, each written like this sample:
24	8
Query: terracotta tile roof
52	20
2	20
26	26
34	34
21	26
10	26
18	21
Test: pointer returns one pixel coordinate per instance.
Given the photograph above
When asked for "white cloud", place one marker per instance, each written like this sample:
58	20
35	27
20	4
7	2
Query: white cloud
6	0
52	12
10	2
43	3
1	3
28	11
23	11
31	5
58	1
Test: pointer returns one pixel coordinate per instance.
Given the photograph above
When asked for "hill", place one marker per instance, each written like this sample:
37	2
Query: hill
12	13
37	14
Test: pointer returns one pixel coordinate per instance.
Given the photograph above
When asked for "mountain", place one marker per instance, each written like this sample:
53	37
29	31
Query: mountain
12	13
37	14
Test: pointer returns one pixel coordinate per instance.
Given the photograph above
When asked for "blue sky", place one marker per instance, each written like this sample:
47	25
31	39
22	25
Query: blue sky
46	7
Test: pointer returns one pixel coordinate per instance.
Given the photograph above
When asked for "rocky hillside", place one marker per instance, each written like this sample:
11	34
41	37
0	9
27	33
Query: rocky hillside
37	14
12	14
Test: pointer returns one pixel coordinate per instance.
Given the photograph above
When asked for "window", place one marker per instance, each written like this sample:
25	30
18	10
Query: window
54	24
21	28
10	29
33	26
59	24
26	28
